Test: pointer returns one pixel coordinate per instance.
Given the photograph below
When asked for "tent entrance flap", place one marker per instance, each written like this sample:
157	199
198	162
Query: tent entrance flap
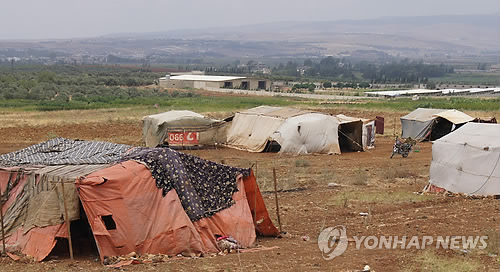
81	235
272	146
442	127
350	136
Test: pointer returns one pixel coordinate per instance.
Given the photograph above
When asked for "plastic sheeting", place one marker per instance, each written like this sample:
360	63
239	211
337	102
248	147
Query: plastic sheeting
297	131
251	130
157	126
419	123
309	133
61	151
204	187
127	212
454	116
467	160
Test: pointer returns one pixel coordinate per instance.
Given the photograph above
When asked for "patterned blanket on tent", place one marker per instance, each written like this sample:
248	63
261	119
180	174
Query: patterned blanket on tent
61	151
204	187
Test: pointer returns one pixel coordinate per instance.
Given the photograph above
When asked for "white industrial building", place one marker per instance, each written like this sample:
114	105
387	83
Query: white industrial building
207	82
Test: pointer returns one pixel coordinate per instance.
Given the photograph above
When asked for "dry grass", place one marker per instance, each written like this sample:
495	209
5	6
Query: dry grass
38	118
493	241
16	118
360	177
377	197
327	175
397	171
430	261
302	163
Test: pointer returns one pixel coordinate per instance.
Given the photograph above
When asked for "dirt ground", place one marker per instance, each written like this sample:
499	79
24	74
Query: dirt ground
368	182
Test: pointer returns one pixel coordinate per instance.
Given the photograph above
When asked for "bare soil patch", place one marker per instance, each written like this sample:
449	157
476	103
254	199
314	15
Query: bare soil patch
387	194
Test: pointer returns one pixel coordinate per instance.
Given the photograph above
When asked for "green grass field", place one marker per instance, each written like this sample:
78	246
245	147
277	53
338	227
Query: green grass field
407	104
469	79
233	103
198	103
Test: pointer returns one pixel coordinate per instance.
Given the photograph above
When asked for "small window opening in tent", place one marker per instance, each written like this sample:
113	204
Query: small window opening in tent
262	85
84	245
350	137
244	85
109	222
228	84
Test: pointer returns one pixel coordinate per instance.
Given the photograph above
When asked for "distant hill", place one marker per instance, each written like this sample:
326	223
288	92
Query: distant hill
407	36
467	38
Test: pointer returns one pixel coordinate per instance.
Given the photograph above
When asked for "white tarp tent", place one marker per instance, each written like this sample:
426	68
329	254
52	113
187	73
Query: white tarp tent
184	127
307	133
467	160
296	131
423	123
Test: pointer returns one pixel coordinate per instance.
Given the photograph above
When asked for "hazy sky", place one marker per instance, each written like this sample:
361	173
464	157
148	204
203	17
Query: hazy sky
37	19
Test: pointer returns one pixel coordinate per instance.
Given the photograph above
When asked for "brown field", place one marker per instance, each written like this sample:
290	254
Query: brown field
370	182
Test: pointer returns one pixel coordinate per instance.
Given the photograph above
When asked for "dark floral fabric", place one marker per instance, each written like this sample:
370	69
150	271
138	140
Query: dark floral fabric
204	187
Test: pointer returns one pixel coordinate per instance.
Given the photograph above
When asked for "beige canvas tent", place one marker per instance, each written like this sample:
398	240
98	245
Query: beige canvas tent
294	131
368	133
467	160
432	124
182	128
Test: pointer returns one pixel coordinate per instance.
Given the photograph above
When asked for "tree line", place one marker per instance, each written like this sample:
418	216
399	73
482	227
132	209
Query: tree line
65	83
405	71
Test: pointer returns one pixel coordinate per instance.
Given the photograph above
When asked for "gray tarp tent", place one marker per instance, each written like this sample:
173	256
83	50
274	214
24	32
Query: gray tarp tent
431	124
467	160
184	128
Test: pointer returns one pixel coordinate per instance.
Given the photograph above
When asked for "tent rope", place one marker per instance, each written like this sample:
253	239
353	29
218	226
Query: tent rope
371	153
496	164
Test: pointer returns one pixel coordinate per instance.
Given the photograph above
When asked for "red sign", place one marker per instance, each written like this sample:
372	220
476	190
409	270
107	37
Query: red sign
183	138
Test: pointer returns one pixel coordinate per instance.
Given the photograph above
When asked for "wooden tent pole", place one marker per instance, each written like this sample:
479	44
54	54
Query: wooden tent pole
68	223
276	197
1	218
394	125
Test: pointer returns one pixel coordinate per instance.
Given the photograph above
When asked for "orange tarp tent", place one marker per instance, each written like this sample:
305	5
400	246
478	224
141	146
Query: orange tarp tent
127	213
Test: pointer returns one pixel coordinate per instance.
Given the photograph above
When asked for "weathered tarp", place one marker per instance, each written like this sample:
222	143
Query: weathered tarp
468	160
128	213
34	210
204	187
454	116
308	133
60	151
156	127
296	131
126	209
419	123
368	133
252	129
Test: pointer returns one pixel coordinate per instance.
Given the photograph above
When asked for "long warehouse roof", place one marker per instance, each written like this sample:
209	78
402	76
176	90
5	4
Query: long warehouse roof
205	78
